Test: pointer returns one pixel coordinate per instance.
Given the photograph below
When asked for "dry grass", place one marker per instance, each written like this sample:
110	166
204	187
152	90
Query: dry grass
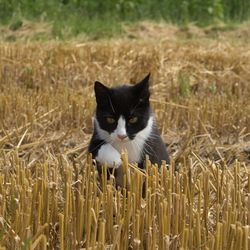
50	195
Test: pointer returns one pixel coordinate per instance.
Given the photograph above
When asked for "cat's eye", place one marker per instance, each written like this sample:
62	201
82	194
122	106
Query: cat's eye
133	120
110	120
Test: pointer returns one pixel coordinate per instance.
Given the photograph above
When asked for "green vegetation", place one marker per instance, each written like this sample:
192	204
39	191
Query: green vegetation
105	17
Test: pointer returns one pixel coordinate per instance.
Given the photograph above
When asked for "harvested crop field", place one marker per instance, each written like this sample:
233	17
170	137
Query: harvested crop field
50	195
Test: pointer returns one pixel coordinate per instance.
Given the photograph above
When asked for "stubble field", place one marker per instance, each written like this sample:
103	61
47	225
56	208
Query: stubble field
50	195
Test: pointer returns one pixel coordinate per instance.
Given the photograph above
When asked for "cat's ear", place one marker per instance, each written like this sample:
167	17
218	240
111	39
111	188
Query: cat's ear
101	93
142	88
145	81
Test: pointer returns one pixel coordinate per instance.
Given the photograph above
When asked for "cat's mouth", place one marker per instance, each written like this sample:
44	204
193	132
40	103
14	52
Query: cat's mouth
122	138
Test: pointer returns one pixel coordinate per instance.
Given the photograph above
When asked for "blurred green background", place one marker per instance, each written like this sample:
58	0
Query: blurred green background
98	16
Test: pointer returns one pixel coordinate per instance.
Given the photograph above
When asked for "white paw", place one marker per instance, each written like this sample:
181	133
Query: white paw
109	155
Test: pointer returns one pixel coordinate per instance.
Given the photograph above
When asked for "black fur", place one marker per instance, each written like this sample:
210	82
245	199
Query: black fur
128	101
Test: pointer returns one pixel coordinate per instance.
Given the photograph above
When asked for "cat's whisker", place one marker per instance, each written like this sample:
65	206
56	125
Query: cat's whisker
134	143
152	136
102	143
145	150
138	146
150	148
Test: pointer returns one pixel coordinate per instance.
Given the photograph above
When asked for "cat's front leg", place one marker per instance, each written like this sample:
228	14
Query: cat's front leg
107	154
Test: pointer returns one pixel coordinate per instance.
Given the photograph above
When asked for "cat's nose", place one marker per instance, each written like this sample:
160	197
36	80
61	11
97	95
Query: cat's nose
122	137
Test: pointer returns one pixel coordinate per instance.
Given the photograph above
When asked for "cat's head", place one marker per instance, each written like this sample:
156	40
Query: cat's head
122	111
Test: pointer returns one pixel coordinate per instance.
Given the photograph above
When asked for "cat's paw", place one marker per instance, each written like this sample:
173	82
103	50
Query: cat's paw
107	154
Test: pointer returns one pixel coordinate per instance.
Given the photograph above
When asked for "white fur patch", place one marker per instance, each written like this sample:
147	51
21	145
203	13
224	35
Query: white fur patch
120	129
133	147
109	155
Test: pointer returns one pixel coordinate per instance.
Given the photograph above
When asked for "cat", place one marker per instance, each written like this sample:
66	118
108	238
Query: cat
125	120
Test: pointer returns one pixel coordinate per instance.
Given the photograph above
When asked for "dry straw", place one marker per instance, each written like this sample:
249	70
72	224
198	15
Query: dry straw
51	196
194	208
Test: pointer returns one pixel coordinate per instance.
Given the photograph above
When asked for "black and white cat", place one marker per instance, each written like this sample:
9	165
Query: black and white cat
124	120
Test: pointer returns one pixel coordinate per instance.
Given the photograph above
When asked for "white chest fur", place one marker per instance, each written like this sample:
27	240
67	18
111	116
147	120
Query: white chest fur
134	147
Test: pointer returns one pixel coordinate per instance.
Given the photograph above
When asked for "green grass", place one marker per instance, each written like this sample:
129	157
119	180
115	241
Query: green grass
104	18
95	28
